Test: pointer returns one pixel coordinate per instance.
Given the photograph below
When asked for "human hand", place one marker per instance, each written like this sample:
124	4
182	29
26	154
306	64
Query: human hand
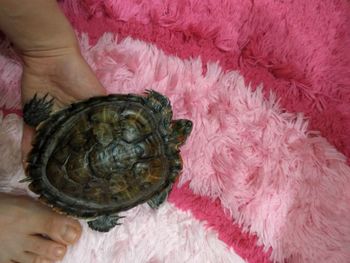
63	74
43	37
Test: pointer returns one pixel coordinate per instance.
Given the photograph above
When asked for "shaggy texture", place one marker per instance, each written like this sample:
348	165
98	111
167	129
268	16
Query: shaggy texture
262	167
259	163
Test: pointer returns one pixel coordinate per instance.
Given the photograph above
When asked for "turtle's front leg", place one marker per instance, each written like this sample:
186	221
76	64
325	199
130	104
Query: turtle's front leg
104	223
37	110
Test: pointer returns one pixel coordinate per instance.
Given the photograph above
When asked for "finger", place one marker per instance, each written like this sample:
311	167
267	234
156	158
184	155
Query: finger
44	247
27	137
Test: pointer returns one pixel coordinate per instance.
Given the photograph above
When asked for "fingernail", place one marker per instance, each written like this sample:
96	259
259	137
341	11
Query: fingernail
45	261
70	234
59	252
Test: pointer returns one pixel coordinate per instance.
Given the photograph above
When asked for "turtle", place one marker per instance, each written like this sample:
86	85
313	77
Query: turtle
104	155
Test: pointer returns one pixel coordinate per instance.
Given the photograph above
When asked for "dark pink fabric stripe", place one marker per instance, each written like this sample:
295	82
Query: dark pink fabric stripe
211	212
6	111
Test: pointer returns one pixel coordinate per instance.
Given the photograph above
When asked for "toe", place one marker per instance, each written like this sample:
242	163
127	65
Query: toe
44	248
30	258
60	228
36	218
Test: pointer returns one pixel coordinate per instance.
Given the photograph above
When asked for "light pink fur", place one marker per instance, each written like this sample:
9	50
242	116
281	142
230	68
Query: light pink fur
278	180
10	70
299	49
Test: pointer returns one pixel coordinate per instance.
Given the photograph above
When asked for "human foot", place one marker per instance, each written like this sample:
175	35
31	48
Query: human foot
32	233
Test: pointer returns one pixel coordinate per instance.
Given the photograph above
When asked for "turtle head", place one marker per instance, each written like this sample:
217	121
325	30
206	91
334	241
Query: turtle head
181	129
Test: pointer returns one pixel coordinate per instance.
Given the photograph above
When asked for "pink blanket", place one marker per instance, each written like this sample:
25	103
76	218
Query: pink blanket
267	84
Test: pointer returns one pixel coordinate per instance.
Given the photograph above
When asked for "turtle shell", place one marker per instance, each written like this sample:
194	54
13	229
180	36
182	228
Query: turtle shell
106	154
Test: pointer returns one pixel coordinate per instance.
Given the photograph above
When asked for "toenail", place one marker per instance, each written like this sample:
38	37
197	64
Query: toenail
69	234
59	252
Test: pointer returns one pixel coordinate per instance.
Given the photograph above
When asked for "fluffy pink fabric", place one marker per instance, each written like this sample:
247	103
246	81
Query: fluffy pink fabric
276	179
298	49
10	70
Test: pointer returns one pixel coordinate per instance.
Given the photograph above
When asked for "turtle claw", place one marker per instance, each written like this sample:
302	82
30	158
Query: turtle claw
37	110
104	223
27	179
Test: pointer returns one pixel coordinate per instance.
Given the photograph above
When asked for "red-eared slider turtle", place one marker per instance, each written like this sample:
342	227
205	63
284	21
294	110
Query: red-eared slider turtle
104	155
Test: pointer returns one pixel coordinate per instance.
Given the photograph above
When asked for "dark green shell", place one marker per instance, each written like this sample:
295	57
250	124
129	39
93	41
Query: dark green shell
107	154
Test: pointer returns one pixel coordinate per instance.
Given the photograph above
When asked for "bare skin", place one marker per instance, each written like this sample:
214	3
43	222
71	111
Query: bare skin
24	223
29	231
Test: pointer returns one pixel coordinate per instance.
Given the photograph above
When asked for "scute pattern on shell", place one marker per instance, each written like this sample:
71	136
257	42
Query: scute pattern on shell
105	155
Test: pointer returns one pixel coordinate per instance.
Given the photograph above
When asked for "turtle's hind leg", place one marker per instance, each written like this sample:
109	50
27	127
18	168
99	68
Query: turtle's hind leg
104	223
156	201
37	110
